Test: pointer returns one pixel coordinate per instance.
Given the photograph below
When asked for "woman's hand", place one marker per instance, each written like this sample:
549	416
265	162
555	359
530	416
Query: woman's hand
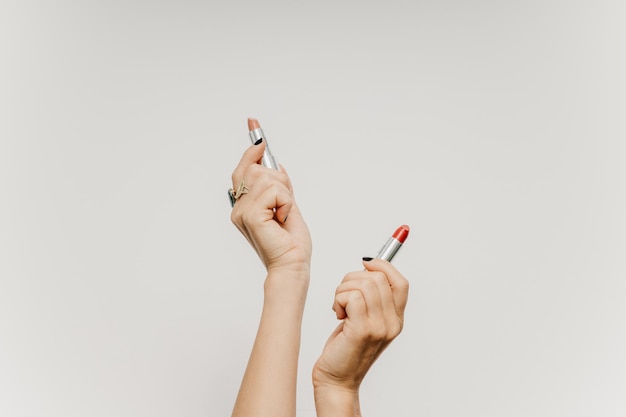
269	218
371	306
267	215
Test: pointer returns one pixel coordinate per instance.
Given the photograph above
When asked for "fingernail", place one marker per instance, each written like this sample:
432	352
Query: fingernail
367	258
258	141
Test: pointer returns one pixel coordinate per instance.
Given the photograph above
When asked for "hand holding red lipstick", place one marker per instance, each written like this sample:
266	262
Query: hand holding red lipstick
371	306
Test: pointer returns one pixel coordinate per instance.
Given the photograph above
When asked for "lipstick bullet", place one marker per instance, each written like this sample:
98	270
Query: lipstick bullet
394	243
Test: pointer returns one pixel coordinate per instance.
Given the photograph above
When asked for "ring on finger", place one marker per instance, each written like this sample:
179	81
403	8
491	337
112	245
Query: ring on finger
234	195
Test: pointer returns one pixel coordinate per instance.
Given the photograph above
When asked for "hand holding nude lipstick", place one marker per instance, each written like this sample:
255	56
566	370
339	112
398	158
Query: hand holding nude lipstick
268	387
261	212
257	136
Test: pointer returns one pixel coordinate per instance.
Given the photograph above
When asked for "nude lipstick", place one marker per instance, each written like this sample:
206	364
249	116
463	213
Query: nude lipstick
256	134
394	243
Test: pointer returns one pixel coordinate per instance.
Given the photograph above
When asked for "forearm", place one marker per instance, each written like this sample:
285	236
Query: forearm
332	402
269	384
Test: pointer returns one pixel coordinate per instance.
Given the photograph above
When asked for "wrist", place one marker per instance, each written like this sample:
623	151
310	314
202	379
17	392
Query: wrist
298	266
332	401
328	380
286	284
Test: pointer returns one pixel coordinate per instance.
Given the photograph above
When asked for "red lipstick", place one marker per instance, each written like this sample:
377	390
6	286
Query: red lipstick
394	243
401	233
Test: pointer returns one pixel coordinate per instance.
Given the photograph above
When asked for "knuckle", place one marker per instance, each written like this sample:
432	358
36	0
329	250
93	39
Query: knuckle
281	189
233	177
273	188
283	178
369	285
395	329
379	277
338	290
252	173
235	217
245	218
254	168
376	332
354	296
262	181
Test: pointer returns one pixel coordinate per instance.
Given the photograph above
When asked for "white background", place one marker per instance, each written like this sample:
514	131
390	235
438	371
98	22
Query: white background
494	129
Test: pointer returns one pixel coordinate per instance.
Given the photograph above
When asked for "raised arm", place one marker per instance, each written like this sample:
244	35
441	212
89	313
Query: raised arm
267	215
370	305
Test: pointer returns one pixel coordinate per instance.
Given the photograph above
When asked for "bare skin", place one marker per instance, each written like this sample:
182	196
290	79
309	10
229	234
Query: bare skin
369	304
269	383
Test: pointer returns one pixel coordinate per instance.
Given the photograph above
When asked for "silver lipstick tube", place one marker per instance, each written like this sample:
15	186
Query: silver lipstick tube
268	159
390	249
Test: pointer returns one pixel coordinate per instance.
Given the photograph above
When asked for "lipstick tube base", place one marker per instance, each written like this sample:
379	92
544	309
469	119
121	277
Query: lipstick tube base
389	250
268	160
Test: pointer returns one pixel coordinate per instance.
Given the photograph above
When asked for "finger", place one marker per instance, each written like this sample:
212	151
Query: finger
259	177
354	275
263	178
353	304
341	313
398	283
337	307
378	278
251	156
369	290
284	204
386	296
289	184
386	321
276	201
267	198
